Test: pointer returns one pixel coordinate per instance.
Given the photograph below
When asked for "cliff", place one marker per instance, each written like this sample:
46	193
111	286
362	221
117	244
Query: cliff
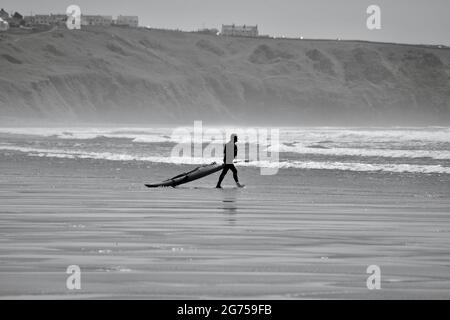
153	76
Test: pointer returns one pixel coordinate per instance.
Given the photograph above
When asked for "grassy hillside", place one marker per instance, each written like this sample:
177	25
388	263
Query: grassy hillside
137	75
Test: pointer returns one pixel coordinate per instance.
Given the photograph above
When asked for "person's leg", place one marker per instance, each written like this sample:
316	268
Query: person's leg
234	170
222	175
235	175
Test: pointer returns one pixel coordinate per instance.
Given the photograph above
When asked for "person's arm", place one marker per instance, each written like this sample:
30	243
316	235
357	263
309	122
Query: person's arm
224	153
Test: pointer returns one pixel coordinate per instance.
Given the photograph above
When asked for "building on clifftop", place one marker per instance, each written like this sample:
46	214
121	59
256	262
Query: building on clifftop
239	31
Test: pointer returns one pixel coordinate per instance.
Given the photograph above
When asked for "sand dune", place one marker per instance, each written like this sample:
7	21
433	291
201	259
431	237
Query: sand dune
139	75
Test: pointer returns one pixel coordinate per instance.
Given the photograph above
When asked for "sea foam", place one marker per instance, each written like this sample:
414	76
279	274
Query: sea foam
320	165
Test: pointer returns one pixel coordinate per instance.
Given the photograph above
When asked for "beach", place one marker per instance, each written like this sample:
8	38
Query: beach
299	234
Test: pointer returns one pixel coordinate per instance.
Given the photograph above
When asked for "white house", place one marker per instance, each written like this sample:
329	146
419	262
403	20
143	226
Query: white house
3	25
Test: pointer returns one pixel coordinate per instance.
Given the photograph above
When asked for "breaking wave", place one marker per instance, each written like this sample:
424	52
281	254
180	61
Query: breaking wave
322	165
362	152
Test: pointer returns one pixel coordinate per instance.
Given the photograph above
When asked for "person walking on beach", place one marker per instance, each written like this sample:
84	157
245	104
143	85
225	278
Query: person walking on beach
229	153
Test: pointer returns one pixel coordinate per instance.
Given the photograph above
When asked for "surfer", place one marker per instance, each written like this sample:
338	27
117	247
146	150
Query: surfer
229	153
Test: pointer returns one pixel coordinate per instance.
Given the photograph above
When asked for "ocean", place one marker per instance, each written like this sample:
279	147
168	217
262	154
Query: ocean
420	150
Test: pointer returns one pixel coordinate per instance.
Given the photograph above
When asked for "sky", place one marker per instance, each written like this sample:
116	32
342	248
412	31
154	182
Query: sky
405	21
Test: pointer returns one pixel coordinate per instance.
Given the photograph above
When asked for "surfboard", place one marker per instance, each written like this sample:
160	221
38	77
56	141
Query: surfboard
189	176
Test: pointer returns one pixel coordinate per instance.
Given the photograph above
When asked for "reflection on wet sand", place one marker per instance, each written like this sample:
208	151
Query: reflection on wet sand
229	206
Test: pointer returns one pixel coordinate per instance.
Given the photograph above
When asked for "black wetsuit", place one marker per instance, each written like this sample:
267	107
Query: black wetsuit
228	166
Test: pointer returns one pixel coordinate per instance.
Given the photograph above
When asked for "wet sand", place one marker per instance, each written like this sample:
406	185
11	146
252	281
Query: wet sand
299	234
